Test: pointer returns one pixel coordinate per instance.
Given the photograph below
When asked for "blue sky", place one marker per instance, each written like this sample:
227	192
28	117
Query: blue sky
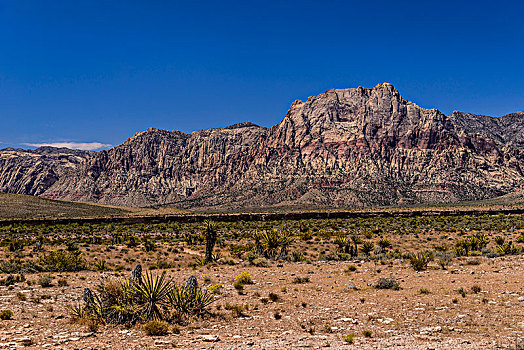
99	71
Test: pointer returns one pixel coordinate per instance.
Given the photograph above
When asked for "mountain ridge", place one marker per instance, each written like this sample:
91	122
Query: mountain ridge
343	148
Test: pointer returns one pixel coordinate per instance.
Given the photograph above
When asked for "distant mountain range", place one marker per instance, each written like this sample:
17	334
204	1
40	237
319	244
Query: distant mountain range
343	148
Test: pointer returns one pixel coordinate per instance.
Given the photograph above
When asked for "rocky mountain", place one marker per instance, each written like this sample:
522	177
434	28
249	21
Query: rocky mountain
34	171
343	148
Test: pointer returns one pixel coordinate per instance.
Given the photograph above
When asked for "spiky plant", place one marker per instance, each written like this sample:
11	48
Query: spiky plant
180	300
367	247
201	300
420	261
186	304
271	241
341	240
153	294
384	243
77	311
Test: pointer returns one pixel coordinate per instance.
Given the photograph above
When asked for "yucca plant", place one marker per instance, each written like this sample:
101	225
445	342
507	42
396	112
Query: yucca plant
187	304
271	241
77	311
420	261
201	300
101	265
95	308
180	300
367	247
153	293
508	249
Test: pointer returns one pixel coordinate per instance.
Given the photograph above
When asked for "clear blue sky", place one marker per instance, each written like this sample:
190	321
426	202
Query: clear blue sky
99	71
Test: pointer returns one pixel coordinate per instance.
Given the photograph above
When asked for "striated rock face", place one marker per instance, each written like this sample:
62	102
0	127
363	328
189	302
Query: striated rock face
159	167
33	172
345	147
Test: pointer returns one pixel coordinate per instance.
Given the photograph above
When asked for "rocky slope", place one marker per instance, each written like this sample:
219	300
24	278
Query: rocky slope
34	171
345	147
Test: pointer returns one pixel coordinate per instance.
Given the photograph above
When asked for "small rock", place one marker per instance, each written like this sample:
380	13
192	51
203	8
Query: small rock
429	330
210	338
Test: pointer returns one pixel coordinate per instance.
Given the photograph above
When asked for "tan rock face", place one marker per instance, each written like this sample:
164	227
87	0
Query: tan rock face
345	147
33	172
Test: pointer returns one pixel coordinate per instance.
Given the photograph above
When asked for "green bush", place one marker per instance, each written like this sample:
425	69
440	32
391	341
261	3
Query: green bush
387	283
6	314
62	261
349	338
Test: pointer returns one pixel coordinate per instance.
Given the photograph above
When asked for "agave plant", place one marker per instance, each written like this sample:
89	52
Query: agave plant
201	300
271	241
180	300
187	303
153	293
341	240
420	260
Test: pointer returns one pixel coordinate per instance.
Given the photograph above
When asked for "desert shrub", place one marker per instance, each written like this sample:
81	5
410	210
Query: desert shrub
216	288
236	309
92	325
420	261
6	314
16	265
273	297
349	338
187	303
100	265
351	268
387	283
238	250
476	289
45	281
508	249
238	286
384	243
156	328
367	333
244	278
61	261
16	245
297	257
299	280
62	282
423	291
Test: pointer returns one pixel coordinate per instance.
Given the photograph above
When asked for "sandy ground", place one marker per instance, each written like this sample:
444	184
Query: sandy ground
315	314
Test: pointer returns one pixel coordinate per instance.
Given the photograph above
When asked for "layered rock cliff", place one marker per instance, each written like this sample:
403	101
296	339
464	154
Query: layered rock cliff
345	147
34	171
